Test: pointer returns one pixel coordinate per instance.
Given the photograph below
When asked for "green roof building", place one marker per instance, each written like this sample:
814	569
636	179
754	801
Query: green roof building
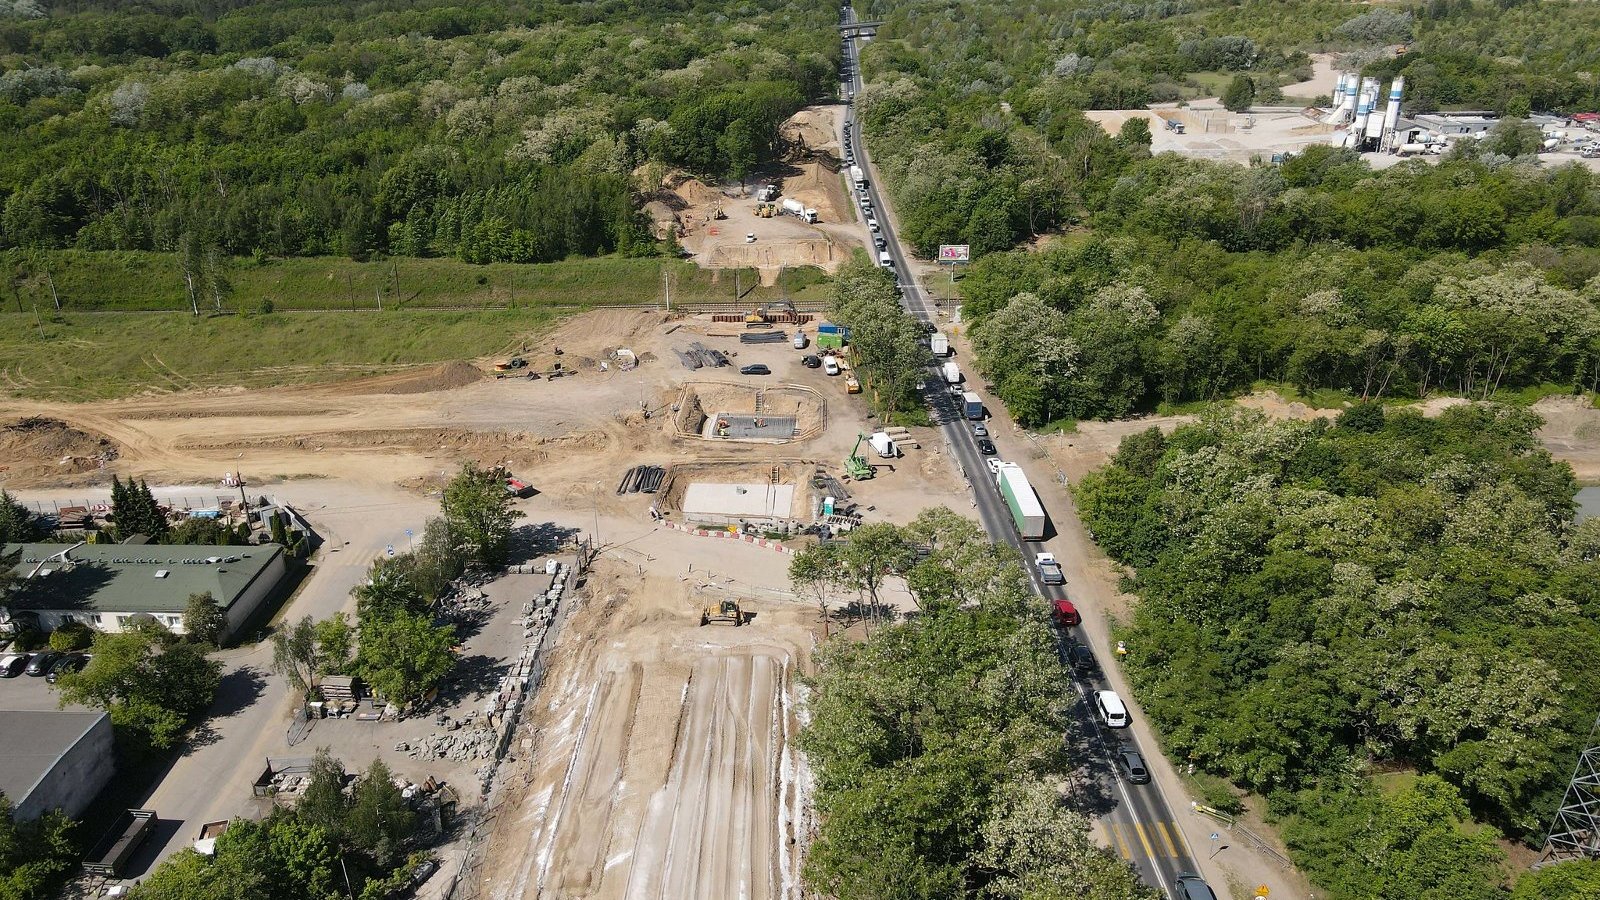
105	586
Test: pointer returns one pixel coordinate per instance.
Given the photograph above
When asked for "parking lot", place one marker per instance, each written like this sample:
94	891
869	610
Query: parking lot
28	692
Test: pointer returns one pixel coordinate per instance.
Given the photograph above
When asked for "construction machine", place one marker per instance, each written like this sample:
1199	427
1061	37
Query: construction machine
727	611
856	465
762	316
766	210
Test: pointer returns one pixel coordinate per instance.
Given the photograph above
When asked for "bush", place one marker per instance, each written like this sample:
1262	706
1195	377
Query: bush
71	636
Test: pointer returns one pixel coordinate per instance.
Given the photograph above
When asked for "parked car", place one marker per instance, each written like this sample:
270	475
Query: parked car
811	361
980	430
40	665
1190	886
754	369
830	366
750	237
986	447
72	662
1133	766
12	666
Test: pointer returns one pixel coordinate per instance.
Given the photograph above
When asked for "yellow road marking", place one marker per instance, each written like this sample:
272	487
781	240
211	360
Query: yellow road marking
1122	845
1148	850
1167	837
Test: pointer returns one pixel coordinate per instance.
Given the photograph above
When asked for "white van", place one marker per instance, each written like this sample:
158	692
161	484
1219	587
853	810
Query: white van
885	260
1111	710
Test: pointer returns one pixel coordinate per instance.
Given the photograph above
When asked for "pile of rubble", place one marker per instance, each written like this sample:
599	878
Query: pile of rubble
484	734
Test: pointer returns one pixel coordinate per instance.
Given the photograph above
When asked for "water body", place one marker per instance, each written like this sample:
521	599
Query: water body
1588	502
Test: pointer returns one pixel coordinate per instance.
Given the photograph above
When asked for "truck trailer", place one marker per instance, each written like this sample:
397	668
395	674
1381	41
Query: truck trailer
951	373
939	344
858	176
1027	514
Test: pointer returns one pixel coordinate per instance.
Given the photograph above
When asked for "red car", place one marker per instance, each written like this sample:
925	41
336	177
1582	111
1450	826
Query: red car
1065	614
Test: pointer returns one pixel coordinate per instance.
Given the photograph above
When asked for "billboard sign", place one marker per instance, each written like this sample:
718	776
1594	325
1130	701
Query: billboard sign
954	253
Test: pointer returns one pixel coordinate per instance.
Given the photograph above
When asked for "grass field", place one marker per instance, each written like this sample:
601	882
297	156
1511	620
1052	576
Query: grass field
106	281
84	357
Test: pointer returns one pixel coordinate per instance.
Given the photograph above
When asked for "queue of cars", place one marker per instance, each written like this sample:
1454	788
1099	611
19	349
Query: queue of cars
48	664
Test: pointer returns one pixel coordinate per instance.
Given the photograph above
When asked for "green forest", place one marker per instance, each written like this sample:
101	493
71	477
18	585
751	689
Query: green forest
941	771
1387	618
502	131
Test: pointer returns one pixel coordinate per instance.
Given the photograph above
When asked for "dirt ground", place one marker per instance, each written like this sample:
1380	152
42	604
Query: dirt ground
1320	86
809	173
661	765
661	761
1212	132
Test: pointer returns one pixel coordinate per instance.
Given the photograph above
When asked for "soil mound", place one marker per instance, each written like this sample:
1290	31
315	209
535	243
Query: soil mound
442	377
38	447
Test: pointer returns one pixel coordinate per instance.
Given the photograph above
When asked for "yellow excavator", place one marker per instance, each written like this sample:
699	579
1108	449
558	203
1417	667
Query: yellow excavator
762	315
727	611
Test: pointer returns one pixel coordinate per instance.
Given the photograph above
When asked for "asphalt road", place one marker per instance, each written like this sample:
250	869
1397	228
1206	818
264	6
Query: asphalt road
1137	818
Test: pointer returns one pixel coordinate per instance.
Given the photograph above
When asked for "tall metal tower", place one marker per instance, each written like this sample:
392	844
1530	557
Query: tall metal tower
1575	833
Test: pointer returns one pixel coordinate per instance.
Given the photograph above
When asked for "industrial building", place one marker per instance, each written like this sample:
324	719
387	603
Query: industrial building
108	586
53	759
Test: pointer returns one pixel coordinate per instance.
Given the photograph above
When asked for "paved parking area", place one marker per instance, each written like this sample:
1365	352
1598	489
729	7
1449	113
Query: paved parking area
27	692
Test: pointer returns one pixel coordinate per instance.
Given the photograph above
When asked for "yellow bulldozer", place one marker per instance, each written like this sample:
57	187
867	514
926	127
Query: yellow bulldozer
727	611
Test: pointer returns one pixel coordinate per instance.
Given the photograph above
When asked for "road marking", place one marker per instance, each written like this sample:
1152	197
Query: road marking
1145	840
1122	845
1167	837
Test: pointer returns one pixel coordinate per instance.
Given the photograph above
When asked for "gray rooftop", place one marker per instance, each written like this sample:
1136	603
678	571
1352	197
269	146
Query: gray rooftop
32	740
128	578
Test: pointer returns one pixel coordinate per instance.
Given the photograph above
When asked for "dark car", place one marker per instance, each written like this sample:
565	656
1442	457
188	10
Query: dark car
755	369
929	328
811	361
1082	659
11	666
40	665
1133	766
1192	887
72	662
986	446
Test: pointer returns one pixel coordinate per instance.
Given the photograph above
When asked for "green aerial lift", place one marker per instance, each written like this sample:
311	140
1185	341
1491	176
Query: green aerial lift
856	465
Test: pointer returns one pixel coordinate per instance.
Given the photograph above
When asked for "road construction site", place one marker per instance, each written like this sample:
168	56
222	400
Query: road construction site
657	758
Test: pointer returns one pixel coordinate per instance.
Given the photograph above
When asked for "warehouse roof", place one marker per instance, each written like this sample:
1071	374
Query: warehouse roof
31	741
150	578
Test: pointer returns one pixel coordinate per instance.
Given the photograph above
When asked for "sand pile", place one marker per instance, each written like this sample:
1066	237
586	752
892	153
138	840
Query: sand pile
442	377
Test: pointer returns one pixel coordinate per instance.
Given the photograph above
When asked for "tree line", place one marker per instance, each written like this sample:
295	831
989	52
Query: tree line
936	740
1323	603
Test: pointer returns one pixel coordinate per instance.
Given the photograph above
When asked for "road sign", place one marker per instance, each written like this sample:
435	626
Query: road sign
389	550
1215	836
954	253
408	532
1263	890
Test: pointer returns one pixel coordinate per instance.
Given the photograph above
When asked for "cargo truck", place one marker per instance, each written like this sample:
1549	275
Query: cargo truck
972	406
1027	514
939	344
799	210
858	177
951	373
